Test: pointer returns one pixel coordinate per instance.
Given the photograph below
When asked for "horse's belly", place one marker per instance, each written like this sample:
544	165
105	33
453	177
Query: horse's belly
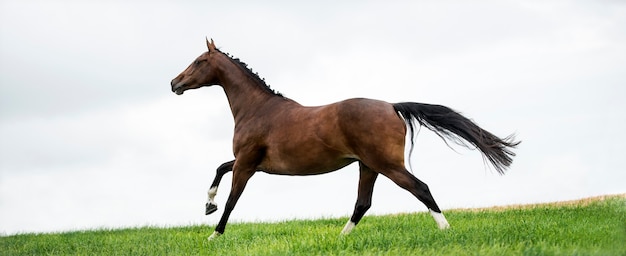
306	169
305	162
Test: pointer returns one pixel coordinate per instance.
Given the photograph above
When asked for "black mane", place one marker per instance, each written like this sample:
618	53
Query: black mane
259	80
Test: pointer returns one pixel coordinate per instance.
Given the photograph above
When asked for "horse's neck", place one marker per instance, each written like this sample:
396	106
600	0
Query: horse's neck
244	95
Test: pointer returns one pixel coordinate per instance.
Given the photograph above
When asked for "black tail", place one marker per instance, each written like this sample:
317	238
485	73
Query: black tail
450	125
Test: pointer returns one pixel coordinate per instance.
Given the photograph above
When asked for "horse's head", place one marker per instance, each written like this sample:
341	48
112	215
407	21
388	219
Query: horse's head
201	72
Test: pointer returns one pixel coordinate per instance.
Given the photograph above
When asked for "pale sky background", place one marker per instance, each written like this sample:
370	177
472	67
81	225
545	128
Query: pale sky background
92	137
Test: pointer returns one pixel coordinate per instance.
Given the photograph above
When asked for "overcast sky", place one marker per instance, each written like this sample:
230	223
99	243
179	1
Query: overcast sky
91	135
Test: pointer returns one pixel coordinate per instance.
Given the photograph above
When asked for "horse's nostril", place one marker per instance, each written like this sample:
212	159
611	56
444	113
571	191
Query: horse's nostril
174	82
177	86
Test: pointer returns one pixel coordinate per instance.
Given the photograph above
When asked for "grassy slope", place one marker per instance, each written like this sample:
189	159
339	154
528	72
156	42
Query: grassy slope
588	227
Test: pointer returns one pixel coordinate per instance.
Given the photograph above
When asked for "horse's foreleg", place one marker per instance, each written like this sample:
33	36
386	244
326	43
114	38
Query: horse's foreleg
211	206
240	179
420	190
367	179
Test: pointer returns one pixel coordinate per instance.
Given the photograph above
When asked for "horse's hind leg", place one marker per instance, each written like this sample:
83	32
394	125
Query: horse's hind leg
211	206
420	190
367	179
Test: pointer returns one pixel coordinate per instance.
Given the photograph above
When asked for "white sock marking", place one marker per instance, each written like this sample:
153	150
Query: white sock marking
212	193
214	235
348	228
440	219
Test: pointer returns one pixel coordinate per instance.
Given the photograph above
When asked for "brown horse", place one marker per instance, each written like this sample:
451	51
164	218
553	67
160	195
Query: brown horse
277	135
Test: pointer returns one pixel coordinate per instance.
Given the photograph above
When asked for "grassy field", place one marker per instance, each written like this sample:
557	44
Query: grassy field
585	227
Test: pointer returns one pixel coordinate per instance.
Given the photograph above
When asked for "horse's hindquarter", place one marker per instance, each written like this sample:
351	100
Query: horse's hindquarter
374	131
315	140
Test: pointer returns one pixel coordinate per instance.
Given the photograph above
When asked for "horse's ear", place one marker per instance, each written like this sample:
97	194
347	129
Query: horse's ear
210	45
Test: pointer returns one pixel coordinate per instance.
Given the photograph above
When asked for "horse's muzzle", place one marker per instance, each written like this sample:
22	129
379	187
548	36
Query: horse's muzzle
177	86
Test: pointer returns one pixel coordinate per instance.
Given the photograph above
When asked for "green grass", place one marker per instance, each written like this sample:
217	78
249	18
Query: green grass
590	227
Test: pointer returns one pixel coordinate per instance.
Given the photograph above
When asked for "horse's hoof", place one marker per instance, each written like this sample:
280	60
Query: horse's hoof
214	235
210	208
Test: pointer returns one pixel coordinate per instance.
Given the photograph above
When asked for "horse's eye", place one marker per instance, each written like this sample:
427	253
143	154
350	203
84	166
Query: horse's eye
197	62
